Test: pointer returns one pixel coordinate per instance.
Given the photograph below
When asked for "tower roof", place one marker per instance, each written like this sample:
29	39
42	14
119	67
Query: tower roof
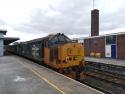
3	31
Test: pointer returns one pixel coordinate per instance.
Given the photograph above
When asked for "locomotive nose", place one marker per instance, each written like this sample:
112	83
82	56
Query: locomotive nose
74	50
73	53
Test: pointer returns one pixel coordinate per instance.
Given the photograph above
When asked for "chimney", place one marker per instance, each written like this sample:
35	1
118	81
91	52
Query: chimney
95	22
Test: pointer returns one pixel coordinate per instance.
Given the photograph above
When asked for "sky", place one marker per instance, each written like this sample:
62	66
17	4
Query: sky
29	19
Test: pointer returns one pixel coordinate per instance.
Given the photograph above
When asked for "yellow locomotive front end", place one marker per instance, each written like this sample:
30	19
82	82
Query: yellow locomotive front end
70	55
64	55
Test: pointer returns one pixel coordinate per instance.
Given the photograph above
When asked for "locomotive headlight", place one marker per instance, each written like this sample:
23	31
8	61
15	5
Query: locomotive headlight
66	59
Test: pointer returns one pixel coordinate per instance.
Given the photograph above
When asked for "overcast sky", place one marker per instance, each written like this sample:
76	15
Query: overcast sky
29	19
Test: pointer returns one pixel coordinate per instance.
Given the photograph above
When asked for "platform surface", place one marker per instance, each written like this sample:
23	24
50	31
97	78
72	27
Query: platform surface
21	76
116	62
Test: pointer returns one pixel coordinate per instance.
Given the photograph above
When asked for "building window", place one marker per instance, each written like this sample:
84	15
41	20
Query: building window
111	39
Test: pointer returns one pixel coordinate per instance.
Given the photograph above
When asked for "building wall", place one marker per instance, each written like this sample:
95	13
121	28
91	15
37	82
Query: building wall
87	48
96	45
121	46
1	47
1	44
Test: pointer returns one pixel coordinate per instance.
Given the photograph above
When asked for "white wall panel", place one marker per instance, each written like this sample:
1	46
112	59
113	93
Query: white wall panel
108	51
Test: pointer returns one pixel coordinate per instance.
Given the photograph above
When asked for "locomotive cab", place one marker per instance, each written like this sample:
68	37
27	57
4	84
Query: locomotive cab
61	52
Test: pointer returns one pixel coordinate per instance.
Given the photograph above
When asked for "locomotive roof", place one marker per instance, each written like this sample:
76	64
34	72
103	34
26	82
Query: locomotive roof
38	39
47	38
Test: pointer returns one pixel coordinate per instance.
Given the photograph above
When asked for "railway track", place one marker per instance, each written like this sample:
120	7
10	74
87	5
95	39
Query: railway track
107	78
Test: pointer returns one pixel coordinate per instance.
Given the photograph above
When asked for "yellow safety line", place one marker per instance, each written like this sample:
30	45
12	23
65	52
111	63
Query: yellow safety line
37	74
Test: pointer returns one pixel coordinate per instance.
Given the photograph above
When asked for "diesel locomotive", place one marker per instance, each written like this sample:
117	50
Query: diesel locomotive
57	51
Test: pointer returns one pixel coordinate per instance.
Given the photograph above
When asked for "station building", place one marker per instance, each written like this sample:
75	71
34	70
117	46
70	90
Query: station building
5	41
108	46
2	33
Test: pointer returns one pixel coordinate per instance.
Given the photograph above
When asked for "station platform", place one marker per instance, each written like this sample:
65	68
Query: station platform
21	76
116	62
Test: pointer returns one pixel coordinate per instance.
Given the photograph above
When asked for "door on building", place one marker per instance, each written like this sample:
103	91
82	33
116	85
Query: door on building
113	51
110	51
